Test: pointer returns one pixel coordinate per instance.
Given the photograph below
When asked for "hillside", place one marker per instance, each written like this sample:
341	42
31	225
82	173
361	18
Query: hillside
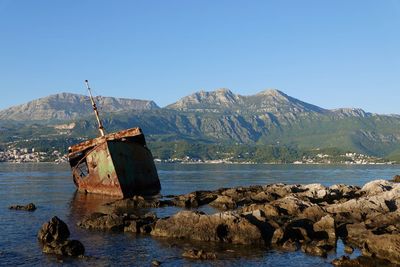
67	106
220	117
223	100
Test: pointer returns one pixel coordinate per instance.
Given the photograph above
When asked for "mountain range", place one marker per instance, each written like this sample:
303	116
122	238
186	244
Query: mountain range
220	116
67	106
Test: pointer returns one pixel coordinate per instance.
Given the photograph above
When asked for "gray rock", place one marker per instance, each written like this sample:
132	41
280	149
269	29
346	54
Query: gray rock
225	227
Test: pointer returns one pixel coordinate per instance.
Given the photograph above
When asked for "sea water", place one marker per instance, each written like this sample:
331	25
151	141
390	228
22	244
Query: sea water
50	187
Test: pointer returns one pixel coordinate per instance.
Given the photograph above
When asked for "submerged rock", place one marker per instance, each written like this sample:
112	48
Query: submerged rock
314	250
348	249
119	223
199	254
28	207
155	263
138	202
54	239
360	261
104	222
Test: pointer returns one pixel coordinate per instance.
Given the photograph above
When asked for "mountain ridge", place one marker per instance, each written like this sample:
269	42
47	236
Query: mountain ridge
269	117
67	106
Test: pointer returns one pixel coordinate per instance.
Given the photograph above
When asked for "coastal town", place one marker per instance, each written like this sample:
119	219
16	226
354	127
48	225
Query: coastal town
23	155
349	158
32	155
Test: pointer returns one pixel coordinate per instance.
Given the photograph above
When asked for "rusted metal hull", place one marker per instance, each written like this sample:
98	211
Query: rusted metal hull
118	164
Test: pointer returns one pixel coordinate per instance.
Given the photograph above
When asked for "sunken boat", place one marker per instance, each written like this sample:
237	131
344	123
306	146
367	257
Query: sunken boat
117	164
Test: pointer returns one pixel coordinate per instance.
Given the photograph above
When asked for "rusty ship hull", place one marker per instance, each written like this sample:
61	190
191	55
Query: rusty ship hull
117	164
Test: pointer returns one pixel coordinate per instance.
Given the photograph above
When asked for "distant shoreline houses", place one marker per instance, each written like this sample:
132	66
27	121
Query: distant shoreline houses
30	155
22	155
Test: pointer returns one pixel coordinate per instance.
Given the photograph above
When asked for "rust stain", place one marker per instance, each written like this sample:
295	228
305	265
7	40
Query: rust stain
117	164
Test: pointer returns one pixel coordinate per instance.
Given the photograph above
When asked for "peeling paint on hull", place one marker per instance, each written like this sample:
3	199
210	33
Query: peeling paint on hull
118	164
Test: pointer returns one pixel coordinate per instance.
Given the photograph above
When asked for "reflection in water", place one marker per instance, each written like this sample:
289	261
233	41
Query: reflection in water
83	204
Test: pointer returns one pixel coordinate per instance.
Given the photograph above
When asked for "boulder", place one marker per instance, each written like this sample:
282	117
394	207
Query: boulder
377	201
225	227
271	231
299	230
72	248
263	197
242	195
316	193
278	190
383	246
143	224
344	192
376	187
268	209
104	222
194	199
356	234
314	213
325	229
54	230
224	203
119	223
388	223
134	203
291	205
54	239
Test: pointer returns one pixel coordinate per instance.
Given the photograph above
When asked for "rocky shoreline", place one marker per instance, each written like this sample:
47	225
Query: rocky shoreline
310	218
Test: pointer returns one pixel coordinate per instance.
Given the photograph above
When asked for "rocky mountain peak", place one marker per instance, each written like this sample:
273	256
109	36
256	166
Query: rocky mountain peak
351	112
272	92
67	106
220	98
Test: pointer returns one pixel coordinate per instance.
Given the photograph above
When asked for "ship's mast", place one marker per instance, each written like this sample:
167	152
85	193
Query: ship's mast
96	112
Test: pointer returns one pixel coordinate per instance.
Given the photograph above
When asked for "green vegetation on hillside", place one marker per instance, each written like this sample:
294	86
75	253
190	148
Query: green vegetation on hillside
267	127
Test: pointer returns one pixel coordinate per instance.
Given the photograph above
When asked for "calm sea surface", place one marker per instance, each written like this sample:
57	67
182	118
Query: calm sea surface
50	187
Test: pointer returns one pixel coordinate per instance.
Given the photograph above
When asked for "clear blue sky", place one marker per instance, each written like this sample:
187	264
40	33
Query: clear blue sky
330	53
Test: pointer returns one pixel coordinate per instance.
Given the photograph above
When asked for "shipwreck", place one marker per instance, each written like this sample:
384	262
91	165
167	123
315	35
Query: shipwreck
117	164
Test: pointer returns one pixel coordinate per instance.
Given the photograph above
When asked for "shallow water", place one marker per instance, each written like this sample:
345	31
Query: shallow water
50	187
